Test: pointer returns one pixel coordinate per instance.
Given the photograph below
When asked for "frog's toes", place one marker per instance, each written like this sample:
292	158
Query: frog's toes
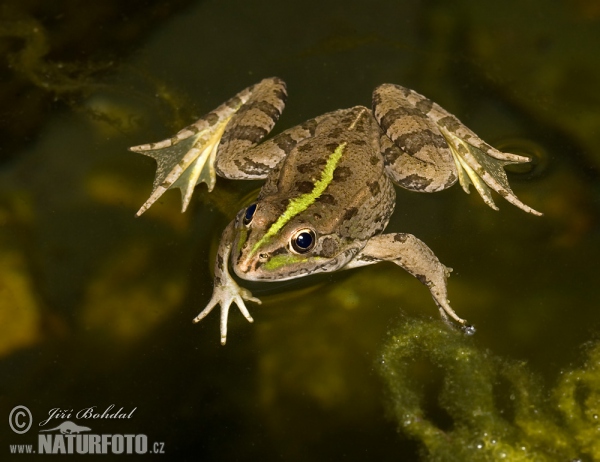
213	302
483	167
183	163
247	295
225	305
188	158
242	307
226	295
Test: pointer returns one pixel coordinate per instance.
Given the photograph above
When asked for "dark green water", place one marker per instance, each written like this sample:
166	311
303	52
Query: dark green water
96	305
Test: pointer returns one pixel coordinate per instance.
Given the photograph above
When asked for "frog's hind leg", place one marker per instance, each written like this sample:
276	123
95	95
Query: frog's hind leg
240	156
427	149
411	254
416	154
189	157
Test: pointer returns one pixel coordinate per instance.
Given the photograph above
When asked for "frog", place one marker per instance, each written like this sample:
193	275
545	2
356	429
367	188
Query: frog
330	186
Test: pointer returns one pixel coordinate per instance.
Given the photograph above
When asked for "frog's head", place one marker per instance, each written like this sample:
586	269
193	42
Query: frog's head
288	247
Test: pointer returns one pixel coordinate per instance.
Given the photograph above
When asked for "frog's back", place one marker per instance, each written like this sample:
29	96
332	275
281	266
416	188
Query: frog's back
341	170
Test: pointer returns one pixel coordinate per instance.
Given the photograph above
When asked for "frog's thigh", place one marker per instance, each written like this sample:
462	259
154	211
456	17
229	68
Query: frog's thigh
411	254
257	161
416	154
247	127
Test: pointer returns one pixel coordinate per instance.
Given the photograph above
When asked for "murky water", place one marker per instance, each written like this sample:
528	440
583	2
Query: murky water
96	305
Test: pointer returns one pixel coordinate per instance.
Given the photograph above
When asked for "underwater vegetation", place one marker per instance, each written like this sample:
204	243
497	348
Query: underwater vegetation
497	408
58	54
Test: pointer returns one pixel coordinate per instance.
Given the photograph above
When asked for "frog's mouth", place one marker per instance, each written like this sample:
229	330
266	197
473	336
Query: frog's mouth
274	266
284	266
252	266
244	267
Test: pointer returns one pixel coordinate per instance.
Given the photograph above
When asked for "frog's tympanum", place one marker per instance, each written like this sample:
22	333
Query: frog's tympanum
329	190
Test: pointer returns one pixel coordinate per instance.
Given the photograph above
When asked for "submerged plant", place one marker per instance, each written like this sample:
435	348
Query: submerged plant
498	409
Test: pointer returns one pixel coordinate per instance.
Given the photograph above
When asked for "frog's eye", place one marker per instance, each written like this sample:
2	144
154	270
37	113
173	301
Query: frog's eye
249	214
303	240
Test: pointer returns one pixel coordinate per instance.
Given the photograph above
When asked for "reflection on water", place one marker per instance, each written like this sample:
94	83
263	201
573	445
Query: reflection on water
96	305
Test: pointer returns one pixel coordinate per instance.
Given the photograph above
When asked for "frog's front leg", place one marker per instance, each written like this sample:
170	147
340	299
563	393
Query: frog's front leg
415	257
226	291
193	155
427	149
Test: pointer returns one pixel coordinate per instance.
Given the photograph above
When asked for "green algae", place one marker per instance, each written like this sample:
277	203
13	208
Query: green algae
499	409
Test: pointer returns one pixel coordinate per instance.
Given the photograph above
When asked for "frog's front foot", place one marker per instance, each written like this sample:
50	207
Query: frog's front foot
225	295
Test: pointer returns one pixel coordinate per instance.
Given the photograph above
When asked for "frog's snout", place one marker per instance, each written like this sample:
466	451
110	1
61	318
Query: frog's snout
246	267
257	267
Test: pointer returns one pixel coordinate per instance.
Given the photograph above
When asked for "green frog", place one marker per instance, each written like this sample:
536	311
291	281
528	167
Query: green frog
329	190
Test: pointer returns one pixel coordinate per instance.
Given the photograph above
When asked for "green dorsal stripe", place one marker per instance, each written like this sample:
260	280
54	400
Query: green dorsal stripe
301	203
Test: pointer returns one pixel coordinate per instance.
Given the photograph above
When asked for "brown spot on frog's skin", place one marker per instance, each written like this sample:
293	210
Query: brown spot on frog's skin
310	167
267	108
391	155
280	93
249	166
286	143
326	199
337	132
304	187
351	212
449	122
450	181
212	118
359	142
252	133
400	237
416	182
423	279
424	105
305	148
342	174
235	101
310	126
396	113
413	142
329	247
374	187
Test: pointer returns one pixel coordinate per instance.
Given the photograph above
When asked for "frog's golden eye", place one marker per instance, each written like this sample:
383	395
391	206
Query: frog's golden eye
249	214
303	240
